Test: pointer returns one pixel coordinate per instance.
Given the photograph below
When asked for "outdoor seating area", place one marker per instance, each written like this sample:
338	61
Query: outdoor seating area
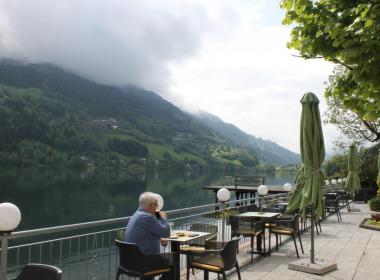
198	246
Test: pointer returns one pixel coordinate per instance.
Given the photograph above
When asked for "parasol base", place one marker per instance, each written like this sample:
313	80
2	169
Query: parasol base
319	267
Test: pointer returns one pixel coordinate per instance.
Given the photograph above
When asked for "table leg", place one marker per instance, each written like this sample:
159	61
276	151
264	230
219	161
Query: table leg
175	249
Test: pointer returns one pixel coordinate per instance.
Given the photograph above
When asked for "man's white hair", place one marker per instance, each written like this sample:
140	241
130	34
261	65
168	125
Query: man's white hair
147	198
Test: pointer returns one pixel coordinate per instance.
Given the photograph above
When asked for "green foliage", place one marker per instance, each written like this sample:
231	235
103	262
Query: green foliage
128	147
49	116
374	203
346	33
336	166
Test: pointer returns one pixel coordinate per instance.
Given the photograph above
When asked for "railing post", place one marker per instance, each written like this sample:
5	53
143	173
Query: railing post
4	253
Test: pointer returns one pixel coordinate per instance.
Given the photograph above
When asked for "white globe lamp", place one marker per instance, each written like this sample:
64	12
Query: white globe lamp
288	187
340	181
10	217
327	182
333	181
223	195
262	190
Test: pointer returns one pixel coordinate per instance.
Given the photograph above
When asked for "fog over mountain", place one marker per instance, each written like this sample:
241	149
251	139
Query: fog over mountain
113	42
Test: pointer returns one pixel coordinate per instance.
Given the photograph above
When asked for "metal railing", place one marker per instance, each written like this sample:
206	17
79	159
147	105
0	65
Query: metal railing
86	250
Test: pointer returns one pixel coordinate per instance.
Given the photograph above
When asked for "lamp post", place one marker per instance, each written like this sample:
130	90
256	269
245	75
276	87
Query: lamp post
288	188
223	196
262	190
10	218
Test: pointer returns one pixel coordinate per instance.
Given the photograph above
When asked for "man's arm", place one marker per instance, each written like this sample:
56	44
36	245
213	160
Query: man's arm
159	227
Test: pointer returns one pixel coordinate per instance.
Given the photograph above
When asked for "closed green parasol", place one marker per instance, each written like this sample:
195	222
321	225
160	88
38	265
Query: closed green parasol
353	180
310	179
378	175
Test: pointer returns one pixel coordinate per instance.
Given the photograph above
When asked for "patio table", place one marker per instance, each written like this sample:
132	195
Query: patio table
180	237
260	216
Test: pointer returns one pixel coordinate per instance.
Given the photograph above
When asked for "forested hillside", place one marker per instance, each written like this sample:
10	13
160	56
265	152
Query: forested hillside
266	150
53	117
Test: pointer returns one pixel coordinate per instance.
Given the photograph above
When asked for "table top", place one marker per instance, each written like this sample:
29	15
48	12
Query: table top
183	236
260	214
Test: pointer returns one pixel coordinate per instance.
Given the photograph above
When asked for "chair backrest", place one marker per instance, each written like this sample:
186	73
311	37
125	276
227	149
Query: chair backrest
130	256
37	271
234	222
245	226
291	221
229	252
212	229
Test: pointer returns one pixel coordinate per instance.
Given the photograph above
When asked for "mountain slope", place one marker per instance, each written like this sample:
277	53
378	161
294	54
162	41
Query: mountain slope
266	150
50	116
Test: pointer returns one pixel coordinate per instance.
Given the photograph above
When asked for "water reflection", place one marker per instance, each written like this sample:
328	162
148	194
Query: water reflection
50	197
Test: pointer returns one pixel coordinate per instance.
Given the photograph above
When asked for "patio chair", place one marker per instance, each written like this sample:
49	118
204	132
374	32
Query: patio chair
344	199
198	246
219	260
247	227
308	217
289	227
332	206
135	264
37	271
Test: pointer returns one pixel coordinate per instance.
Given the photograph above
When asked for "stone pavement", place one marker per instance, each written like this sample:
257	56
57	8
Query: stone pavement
355	250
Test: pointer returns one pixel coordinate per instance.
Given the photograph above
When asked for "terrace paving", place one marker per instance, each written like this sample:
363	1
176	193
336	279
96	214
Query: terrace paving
355	250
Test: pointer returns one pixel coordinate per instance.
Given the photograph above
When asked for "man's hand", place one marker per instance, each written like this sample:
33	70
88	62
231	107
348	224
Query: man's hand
164	241
163	214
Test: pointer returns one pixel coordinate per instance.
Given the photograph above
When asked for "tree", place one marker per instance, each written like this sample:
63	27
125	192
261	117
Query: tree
347	33
350	124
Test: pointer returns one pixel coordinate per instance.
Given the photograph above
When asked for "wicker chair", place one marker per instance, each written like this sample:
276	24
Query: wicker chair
37	271
289	227
247	227
135	264
219	257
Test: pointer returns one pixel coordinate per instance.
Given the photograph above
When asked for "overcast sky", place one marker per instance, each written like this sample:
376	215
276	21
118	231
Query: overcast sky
228	58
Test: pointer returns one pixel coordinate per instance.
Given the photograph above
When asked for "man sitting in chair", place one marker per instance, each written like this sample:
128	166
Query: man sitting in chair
147	226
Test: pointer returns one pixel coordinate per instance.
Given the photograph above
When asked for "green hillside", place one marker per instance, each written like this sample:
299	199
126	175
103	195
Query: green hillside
266	151
49	116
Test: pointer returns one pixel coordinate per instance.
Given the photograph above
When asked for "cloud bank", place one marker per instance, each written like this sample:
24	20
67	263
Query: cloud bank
114	42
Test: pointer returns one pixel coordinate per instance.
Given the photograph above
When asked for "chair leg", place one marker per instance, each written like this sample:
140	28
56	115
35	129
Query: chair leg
118	274
252	248
224	275
295	245
276	241
238	271
264	243
270	249
299	238
187	272
205	275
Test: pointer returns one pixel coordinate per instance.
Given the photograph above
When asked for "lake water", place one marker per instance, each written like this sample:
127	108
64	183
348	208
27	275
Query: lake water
52	197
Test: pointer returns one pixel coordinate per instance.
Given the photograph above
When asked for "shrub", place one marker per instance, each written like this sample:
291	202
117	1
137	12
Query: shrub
374	204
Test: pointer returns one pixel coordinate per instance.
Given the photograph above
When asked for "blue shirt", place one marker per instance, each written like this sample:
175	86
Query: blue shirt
145	230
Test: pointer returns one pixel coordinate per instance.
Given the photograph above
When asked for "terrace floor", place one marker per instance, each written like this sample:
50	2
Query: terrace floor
355	250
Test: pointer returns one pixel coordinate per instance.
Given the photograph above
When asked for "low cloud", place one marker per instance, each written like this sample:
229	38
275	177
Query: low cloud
114	42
